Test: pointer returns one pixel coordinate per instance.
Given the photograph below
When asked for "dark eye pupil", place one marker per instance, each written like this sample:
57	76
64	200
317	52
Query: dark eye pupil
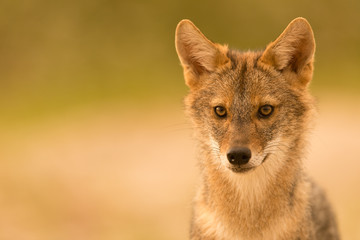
266	110
220	111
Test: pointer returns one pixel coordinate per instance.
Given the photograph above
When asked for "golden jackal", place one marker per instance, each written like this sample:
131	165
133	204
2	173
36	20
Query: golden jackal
251	112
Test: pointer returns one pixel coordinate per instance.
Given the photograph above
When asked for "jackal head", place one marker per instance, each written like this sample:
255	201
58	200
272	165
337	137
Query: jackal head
248	107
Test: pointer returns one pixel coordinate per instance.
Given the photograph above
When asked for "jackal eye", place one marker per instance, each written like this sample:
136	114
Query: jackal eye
220	111
265	111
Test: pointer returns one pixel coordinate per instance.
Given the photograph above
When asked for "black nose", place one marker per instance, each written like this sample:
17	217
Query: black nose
239	155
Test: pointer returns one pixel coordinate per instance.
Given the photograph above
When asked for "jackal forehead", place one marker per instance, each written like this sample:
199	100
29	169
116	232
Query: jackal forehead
245	81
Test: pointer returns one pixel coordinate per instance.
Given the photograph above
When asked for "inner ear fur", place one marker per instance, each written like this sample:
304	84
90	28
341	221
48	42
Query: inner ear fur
293	50
197	54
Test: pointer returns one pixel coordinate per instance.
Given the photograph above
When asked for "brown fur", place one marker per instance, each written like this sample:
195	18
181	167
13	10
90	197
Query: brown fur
275	199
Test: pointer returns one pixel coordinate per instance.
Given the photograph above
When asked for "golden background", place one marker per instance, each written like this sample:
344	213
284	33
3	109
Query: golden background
93	141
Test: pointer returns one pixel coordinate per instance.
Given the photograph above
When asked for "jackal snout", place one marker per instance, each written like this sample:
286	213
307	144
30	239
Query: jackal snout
239	155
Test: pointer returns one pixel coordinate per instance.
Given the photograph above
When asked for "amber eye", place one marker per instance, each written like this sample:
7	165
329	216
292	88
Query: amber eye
265	111
220	111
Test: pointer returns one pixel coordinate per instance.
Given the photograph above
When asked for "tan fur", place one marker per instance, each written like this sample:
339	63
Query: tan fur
275	199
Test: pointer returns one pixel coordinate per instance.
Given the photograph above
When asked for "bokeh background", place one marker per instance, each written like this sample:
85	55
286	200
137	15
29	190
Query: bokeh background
93	141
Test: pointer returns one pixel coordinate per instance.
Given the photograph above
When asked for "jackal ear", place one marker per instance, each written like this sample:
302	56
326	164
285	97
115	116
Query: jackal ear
294	49
197	54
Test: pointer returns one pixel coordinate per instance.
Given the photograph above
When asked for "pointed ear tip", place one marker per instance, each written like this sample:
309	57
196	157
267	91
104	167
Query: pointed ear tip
300	19
301	23
183	24
183	21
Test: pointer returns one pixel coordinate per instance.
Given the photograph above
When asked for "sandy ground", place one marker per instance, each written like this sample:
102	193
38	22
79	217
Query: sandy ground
100	173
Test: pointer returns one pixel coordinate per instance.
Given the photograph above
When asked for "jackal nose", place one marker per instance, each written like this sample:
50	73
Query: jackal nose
239	155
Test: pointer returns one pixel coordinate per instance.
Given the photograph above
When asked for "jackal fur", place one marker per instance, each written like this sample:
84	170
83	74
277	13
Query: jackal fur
257	101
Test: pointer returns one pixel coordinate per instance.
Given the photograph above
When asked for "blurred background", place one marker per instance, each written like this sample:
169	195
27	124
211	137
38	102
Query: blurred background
93	141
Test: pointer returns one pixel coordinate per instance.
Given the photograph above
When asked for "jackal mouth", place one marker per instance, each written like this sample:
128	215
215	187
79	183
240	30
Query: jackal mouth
244	169
241	169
